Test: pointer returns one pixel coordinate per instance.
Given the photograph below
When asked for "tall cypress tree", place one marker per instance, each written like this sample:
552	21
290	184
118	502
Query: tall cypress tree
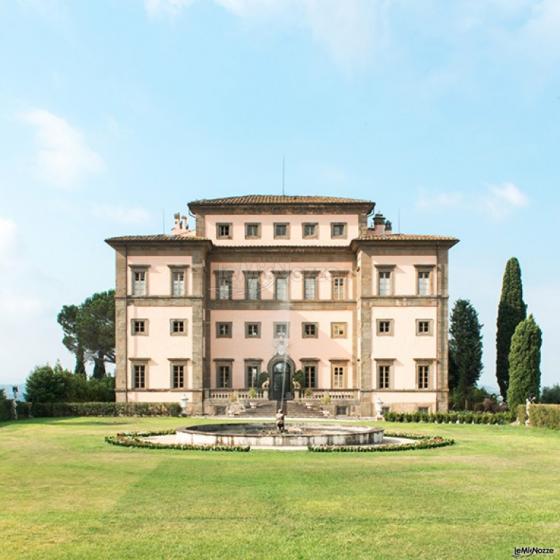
524	363
511	311
465	349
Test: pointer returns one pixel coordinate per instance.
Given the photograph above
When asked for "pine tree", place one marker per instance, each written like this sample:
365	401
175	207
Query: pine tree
524	363
465	349
511	311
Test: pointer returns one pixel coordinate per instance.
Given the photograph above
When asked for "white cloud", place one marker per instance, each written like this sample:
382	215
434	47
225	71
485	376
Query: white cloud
63	156
348	29
7	237
121	215
427	201
501	200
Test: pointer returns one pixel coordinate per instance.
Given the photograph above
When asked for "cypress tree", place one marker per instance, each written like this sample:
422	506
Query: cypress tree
524	363
511	311
465	349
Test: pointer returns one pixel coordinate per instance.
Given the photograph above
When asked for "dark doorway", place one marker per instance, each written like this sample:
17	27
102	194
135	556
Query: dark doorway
281	381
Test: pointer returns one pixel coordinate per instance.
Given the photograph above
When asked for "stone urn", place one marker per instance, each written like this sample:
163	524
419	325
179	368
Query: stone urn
183	401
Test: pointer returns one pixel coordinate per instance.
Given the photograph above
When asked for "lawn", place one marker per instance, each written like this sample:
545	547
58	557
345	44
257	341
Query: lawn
65	493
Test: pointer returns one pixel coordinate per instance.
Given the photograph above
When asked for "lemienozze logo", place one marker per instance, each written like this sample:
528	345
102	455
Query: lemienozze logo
528	551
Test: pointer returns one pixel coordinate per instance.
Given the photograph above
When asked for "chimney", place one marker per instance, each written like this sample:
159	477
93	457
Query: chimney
388	227
379	224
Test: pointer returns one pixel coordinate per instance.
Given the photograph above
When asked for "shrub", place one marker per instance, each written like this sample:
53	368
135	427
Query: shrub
105	409
452	417
551	395
545	416
5	406
521	413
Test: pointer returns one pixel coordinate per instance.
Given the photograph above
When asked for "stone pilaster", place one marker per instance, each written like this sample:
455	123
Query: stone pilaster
443	328
121	324
365	333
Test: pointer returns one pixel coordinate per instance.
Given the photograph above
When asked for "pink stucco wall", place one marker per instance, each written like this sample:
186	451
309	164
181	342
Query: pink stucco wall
159	273
405	271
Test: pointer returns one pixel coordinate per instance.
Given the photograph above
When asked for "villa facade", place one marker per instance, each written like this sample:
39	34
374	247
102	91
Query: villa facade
283	284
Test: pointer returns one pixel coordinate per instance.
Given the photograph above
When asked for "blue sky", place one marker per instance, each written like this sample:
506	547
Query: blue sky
113	113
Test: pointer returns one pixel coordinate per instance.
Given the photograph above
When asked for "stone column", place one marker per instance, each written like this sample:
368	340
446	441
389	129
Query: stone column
121	324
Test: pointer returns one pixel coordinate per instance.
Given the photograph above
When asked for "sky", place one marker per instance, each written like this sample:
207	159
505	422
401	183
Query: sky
115	114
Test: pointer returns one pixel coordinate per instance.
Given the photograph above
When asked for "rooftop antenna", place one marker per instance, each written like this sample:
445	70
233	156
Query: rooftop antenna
283	175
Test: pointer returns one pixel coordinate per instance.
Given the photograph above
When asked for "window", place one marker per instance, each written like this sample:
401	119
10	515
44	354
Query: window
338	330
310	375
224	231
178	376
223	375
178	327
281	330
252	371
252	231
384	327
310	330
252	330
424	410
139	284
310	231
281	287
252	285
281	231
338	287
424	327
223	330
383	376
338	376
384	282
177	282
338	230
139	326
138	376
424	282
423	371
309	285
224	280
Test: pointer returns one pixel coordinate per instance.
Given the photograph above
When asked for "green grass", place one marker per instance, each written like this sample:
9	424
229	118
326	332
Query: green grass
65	493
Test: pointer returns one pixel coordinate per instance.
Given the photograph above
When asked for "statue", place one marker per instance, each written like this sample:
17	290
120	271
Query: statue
280	421
378	409
14	402
528	402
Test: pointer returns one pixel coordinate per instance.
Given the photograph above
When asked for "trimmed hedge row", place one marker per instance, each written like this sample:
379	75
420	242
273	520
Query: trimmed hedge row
545	416
521	413
132	439
422	442
466	417
39	410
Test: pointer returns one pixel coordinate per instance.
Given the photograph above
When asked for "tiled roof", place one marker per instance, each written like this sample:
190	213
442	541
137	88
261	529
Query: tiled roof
406	237
155	237
276	199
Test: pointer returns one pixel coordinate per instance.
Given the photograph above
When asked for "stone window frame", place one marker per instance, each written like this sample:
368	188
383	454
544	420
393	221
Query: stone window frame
133	364
184	362
230	230
423	409
303	333
223	362
178	268
335	275
344	234
422	268
390	332
252	274
287	224
314	235
227	274
430	331
385	268
133	331
420	363
184	332
259	329
252	362
282	274
310	362
229	330
335	324
390	363
257	235
339	364
314	275
139	268
275	324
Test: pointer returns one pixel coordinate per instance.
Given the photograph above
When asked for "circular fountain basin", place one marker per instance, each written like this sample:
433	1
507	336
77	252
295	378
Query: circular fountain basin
265	435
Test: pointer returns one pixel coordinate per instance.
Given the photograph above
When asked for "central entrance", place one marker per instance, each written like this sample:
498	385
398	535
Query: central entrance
281	380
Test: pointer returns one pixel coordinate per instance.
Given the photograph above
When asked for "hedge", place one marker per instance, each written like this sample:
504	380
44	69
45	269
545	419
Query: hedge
521	413
132	439
422	442
545	416
465	417
104	409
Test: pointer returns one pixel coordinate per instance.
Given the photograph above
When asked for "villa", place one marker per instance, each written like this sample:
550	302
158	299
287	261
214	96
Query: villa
253	290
